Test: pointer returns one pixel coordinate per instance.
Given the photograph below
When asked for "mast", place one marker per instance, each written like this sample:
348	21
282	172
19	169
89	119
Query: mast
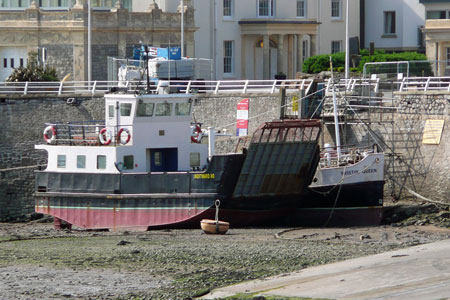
347	50
336	120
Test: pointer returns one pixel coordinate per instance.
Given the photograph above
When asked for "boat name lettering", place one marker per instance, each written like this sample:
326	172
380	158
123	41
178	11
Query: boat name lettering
352	172
204	176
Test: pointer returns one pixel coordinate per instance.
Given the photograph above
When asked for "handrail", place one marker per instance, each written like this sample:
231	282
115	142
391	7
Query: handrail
425	84
85	88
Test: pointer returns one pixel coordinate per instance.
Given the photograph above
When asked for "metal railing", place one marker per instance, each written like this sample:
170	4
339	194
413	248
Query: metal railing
99	88
425	84
353	84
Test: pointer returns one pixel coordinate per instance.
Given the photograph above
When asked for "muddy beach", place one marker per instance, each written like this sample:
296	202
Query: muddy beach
38	262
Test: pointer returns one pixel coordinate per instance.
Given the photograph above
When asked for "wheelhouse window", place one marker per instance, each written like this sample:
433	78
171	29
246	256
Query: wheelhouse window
101	162
125	109
128	162
389	22
336	46
81	161
336	9
228	63
228	9
145	109
182	109
163	109
61	163
266	8
301	8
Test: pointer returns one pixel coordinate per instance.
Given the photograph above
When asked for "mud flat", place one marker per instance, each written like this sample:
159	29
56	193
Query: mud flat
38	262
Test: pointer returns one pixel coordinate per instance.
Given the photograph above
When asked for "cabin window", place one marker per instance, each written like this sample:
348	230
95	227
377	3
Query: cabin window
128	162
145	109
163	109
101	161
125	109
61	161
111	111
194	159
81	161
158	159
182	109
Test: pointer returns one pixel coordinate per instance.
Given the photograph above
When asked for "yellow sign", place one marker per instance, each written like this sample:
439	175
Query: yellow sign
294	103
432	132
204	176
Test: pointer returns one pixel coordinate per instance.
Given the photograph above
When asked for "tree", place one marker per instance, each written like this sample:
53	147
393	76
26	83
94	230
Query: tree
33	71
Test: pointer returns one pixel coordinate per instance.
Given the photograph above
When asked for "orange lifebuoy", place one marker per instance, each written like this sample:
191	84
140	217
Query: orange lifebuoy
196	134
47	130
104	136
119	136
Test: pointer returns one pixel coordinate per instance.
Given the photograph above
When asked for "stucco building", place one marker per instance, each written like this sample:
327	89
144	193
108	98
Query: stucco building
256	39
62	29
437	34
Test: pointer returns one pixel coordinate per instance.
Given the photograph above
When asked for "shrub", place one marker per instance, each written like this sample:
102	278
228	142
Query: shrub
33	72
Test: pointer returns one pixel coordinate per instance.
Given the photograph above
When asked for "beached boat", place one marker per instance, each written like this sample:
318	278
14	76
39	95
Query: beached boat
148	166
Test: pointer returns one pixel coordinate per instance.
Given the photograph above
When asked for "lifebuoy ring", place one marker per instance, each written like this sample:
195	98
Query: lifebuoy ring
47	130
119	136
104	136
196	134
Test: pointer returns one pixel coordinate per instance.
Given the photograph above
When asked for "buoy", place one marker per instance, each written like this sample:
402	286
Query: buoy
215	226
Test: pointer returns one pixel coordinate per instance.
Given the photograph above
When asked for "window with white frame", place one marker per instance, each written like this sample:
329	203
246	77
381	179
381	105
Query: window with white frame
336	9
266	8
301	8
228	9
14	4
228	64
304	50
389	22
448	58
336	46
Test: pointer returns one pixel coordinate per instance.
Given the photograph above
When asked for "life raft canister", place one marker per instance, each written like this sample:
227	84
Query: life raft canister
50	129
119	136
196	134
104	136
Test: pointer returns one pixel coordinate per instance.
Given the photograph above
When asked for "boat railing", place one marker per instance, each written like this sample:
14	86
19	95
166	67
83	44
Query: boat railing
329	157
87	133
99	88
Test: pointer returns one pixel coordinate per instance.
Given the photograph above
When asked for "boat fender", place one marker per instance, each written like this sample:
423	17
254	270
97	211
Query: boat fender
119	136
104	136
196	134
47	130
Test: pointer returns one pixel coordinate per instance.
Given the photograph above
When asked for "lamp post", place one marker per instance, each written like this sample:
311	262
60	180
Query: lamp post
89	50
347	50
182	28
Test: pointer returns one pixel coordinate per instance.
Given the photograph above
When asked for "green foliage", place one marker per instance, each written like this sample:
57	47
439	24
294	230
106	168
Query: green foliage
33	72
319	63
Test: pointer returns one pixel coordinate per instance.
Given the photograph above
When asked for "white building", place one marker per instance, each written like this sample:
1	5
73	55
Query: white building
393	25
256	39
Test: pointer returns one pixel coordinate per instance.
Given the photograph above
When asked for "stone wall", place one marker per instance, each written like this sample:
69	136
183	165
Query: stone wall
423	168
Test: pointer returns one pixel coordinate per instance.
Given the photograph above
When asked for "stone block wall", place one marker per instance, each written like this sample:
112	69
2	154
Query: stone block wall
61	58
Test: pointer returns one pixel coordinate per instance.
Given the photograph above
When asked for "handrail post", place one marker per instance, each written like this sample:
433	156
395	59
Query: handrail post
402	84
25	90
60	88
245	86
273	86
93	87
427	84
188	87
217	87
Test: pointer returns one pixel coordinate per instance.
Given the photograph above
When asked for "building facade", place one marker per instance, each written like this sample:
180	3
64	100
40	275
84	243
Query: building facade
437	34
257	39
62	30
393	25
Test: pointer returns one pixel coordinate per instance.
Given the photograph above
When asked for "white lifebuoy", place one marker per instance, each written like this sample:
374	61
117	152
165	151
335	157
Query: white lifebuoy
104	136
196	134
50	129
119	136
